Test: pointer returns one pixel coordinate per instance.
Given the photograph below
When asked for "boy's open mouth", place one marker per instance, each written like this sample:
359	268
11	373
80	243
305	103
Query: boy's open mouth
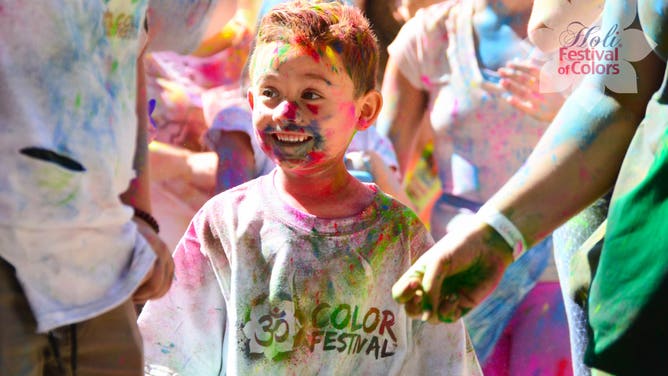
291	138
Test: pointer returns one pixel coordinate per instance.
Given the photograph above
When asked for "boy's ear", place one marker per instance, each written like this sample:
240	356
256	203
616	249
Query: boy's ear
249	96
370	105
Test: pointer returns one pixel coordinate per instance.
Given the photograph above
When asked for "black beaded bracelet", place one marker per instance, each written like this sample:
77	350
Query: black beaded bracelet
148	218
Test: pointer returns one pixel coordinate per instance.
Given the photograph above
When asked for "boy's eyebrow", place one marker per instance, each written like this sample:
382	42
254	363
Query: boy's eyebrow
319	77
314	76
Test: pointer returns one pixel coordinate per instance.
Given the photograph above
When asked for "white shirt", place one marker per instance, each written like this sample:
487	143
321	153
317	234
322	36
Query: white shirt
67	142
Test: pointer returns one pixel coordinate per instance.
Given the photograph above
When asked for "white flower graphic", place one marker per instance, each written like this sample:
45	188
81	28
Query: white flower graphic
585	50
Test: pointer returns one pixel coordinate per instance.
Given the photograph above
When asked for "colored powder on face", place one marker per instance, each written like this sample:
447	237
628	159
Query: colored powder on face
349	108
316	156
313	108
280	55
288	110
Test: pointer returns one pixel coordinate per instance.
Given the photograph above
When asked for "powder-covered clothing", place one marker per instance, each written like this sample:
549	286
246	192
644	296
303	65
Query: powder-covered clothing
264	289
67	142
627	303
480	139
567	242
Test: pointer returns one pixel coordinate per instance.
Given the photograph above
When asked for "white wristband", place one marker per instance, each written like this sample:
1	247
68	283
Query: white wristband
505	228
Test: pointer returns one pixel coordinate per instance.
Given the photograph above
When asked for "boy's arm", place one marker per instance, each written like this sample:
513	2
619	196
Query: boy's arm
185	329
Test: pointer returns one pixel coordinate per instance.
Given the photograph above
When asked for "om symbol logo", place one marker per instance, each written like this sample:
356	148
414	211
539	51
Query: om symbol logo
274	326
271	330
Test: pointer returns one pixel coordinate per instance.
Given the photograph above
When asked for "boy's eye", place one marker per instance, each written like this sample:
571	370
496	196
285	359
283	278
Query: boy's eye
310	95
268	92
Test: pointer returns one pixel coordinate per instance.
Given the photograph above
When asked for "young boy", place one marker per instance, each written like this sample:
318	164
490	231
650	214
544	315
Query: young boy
291	273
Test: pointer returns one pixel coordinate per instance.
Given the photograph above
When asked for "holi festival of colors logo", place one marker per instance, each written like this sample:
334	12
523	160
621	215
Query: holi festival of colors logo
594	50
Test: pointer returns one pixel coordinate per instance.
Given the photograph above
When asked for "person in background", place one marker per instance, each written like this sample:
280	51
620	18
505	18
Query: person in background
190	160
289	273
79	245
444	75
603	138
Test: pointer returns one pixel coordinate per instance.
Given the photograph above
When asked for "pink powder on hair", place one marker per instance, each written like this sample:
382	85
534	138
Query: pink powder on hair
307	47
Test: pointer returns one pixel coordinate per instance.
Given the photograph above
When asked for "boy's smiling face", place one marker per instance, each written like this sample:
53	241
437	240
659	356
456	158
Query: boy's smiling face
304	109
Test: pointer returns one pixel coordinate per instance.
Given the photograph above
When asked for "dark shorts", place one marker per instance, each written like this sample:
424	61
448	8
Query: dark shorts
109	344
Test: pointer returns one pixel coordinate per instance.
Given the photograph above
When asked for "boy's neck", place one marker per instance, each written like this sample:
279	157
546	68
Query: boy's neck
331	195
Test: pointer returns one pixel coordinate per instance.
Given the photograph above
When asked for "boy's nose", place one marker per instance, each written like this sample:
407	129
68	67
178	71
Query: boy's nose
286	111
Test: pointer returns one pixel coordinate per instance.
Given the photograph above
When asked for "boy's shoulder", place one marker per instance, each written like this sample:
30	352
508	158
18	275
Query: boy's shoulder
394	210
249	192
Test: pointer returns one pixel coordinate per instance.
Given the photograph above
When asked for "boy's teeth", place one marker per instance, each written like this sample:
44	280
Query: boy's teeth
291	138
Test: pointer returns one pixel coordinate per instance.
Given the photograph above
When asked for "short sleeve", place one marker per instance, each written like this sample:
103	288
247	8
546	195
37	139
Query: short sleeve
421	239
184	330
419	47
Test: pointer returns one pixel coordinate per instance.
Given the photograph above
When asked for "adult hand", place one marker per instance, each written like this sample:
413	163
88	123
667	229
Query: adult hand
521	80
159	278
455	275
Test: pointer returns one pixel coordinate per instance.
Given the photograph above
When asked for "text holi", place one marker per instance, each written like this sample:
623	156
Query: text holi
585	52
339	328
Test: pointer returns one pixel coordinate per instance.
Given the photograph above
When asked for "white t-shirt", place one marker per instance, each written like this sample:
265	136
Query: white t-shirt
67	142
264	289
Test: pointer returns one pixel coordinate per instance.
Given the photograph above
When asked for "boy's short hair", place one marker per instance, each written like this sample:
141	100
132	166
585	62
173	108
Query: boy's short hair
320	24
